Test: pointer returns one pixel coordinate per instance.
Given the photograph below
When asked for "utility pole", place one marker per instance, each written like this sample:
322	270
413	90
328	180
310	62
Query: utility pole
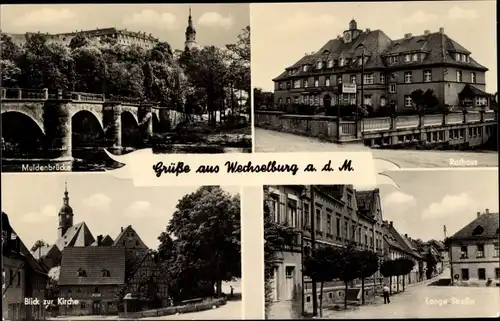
313	249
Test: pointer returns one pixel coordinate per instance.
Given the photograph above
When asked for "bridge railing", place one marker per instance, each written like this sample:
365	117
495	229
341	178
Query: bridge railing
45	94
376	124
474	118
455	118
489	116
407	122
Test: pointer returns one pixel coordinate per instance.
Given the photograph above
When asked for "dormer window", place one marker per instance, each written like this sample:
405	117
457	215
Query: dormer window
479	230
414	57
280	85
81	272
342	62
464	58
304	68
105	273
407	58
360	62
319	64
305	83
329	64
393	60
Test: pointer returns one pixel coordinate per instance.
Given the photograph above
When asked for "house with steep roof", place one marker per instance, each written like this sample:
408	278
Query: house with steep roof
22	277
474	251
392	70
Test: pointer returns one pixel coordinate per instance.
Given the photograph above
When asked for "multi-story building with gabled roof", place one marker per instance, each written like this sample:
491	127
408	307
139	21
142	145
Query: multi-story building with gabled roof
392	70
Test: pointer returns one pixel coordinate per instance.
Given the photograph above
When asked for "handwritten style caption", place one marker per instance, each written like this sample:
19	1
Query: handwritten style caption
255	169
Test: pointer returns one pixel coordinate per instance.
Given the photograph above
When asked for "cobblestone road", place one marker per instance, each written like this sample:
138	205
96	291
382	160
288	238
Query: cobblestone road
272	141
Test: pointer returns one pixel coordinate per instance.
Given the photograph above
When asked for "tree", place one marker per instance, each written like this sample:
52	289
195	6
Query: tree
402	266
349	265
38	247
387	269
431	264
10	51
262	98
424	100
368	265
206	225
323	266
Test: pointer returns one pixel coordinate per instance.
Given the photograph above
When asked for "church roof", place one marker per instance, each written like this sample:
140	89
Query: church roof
92	260
487	223
76	235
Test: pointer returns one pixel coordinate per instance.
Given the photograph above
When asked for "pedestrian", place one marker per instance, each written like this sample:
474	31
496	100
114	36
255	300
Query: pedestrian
232	291
386	294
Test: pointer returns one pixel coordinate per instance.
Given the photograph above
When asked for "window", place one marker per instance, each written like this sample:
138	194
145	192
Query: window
359	235
316	82
353	79
382	79
366	239
341	62
463	252
496	252
481	273
346	230
316	100
105	273
318	219
383	102
280	101
82	305
427	76
329	224
480	250
497	273
352	99
464	58
280	85
307	214
304	68
81	272
327	82
367	100
393	60
353	236
289	272
349	200
288	100
338	226
407	77
480	101
296	84
329	64
368	79
408	101
339	80
478	230
275	208
407	58
360	62
473	77
292	213
393	77
296	99
459	76
392	88
414	57
319	65
96	290
306	100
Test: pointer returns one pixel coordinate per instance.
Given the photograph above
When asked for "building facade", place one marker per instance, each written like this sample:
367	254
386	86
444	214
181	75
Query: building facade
474	251
341	216
392	70
22	277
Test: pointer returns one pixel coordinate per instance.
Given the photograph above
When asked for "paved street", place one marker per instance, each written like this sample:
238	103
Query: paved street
423	301
272	141
232	310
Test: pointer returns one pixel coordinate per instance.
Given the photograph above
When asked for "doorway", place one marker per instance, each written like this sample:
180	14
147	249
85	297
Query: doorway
290	281
465	274
96	308
327	103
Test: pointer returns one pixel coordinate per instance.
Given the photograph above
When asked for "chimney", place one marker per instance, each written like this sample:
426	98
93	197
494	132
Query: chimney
122	228
339	37
478	214
99	240
487	211
390	223
441	30
368	30
427	32
407	35
406	235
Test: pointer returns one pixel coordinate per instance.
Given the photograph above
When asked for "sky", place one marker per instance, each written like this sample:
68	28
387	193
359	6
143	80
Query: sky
215	24
427	200
283	32
103	202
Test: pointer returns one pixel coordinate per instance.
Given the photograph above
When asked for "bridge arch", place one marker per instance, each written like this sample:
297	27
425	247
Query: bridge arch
23	135
87	130
156	122
131	132
34	116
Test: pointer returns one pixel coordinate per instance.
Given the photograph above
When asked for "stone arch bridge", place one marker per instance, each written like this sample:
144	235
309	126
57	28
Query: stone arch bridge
53	114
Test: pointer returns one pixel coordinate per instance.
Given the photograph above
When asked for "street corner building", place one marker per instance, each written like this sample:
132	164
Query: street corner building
337	216
474	252
22	277
363	79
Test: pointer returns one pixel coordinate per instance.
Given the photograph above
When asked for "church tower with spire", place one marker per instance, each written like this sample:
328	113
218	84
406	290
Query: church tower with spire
190	33
65	215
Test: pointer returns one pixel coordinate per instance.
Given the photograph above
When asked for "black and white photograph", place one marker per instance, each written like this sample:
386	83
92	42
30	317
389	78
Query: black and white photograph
78	79
78	247
363	252
414	82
